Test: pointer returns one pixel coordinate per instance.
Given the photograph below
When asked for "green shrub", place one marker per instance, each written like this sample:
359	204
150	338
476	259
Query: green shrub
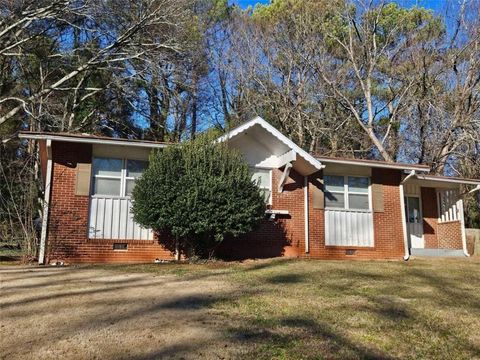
198	193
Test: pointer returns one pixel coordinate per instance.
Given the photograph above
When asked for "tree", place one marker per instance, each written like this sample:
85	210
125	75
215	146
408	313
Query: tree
198	193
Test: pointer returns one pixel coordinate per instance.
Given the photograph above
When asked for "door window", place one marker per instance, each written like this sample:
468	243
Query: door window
413	210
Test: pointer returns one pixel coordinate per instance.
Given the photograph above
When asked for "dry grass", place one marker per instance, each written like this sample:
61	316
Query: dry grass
282	309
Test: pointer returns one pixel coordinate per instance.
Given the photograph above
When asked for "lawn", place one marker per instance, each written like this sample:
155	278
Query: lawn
272	309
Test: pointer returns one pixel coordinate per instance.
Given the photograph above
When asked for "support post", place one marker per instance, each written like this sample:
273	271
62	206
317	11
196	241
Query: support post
462	226
46	204
306	214
404	223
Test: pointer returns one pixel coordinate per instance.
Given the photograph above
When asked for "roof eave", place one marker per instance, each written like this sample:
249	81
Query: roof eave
373	165
91	140
448	180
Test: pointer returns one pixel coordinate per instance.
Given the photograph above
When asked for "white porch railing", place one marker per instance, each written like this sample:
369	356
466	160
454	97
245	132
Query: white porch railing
111	218
348	227
447	205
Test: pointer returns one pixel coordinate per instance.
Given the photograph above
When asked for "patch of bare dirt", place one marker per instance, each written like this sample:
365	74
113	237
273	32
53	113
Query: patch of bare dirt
91	313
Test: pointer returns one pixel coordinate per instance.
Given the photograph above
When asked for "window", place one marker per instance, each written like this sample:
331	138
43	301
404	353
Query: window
262	178
412	209
347	192
116	177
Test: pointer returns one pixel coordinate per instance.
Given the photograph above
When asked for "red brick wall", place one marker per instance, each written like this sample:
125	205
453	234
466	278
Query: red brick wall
284	236
388	231
450	235
68	220
438	235
280	237
430	217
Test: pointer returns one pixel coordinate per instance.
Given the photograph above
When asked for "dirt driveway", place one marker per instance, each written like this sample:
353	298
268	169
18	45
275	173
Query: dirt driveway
95	313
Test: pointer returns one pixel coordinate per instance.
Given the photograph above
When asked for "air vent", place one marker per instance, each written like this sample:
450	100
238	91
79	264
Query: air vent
350	252
120	246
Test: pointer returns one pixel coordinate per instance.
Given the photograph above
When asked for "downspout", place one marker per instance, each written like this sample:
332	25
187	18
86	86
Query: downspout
46	204
404	220
306	214
462	226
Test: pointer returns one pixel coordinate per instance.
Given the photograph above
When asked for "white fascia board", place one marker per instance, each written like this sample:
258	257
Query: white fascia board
373	165
449	180
259	121
87	140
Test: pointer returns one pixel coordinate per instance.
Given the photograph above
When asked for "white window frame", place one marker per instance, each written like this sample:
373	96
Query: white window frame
123	178
346	192
270	186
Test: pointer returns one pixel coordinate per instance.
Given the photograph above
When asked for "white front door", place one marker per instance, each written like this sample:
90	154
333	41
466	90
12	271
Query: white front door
414	217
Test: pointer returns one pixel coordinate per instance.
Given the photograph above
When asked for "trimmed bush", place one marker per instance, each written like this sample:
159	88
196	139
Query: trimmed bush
198	193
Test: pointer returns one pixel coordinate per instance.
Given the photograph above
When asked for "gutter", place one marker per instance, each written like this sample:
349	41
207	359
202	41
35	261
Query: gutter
46	204
402	211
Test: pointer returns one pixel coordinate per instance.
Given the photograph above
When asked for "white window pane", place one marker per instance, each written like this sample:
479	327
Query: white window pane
334	183
360	202
261	177
413	209
135	168
129	187
334	200
358	184
108	167
106	186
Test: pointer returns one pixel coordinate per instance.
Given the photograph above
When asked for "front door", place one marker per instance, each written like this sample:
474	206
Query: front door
414	222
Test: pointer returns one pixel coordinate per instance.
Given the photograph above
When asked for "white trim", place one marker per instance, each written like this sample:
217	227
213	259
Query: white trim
474	189
91	140
306	215
46	203
412	174
372	164
462	225
259	121
449	180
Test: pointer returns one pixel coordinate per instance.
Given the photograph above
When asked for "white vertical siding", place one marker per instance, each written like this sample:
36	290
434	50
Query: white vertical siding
111	218
348	228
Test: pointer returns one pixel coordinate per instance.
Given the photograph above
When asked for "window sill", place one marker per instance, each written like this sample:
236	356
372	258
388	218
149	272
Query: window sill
346	247
110	197
277	212
368	211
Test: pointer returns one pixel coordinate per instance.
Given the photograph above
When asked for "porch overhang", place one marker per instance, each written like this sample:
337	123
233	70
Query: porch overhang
437	181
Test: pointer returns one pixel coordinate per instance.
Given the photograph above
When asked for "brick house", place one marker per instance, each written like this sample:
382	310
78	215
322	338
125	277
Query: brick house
318	207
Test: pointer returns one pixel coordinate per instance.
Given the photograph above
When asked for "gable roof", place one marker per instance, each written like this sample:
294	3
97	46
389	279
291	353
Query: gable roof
277	134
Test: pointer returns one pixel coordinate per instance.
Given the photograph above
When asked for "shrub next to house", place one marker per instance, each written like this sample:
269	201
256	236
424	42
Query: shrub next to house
198	193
